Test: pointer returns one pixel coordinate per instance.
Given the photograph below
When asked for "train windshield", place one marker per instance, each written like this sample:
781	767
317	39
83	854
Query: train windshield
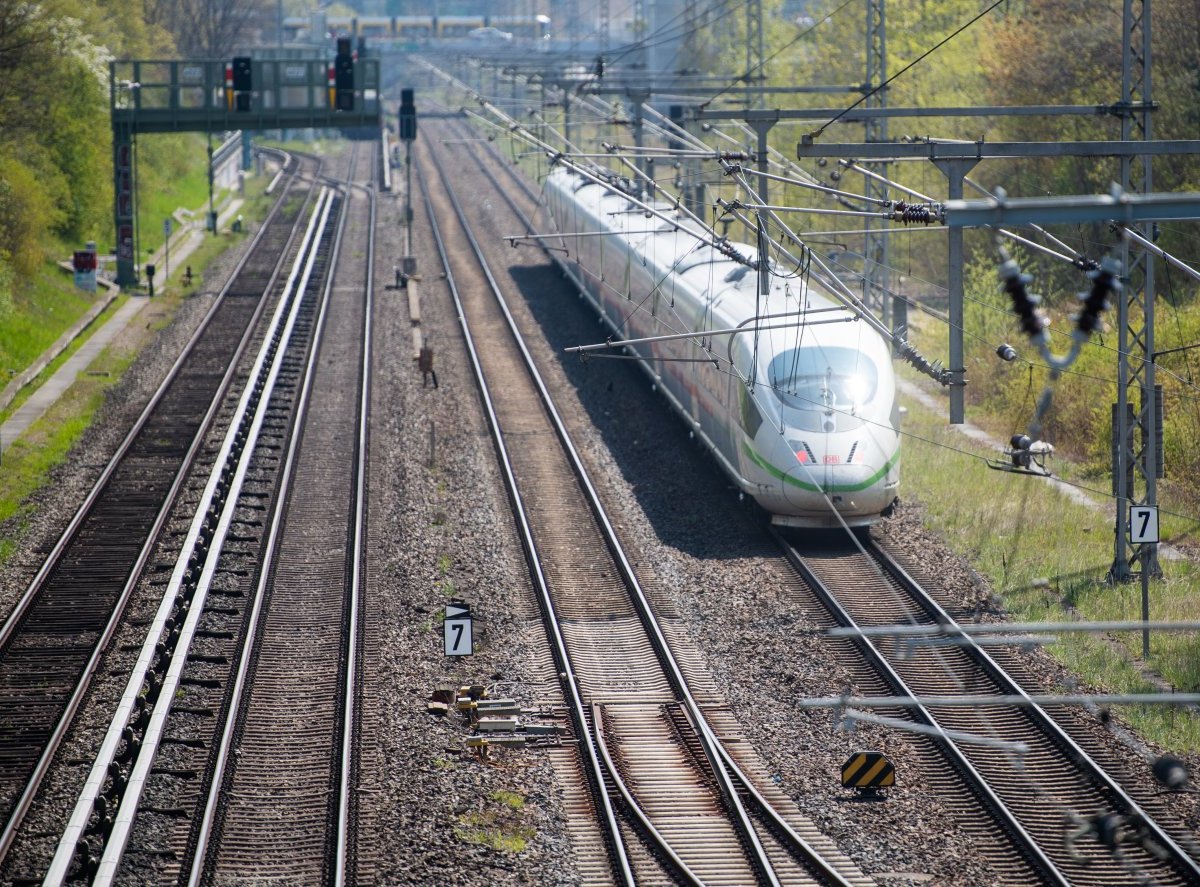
825	379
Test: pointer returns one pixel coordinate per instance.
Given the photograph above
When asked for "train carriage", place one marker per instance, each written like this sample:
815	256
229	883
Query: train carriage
801	413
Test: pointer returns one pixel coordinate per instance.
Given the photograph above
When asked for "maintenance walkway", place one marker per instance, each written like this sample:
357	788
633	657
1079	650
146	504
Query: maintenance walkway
188	240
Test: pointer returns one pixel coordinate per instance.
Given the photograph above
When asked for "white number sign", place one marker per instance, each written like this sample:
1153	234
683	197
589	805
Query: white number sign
1143	524
456	630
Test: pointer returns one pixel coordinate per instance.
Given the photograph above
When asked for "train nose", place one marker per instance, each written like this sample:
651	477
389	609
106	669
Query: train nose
838	471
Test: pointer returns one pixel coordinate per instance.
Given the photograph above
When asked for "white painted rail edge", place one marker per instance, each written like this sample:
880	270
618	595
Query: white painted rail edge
58	872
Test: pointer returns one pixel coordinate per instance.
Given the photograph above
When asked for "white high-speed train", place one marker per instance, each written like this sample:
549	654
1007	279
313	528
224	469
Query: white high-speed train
801	414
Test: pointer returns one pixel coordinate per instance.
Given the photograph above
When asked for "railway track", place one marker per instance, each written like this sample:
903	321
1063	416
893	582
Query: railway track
1050	799
253	511
672	806
52	643
280	805
1055	819
139	752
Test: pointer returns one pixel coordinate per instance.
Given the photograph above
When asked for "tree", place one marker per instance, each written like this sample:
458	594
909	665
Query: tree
214	28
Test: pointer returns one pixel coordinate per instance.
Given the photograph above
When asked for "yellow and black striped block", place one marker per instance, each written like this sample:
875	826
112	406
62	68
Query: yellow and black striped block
868	770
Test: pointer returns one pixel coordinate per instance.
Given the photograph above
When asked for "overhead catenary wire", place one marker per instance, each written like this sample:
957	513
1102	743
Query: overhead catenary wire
720	134
625	160
869	93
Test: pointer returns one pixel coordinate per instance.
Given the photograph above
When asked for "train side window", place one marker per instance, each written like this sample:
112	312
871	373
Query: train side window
751	417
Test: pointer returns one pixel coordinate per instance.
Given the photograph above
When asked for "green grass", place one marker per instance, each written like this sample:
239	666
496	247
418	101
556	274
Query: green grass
39	315
1018	530
512	800
496	829
29	460
161	192
25	393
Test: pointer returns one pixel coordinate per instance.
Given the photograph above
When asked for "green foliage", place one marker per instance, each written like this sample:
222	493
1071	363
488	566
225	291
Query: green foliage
497	830
1079	419
6	289
55	137
82	162
1025	530
27	212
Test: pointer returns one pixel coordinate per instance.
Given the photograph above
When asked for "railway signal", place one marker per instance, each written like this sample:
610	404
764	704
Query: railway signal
343	76
241	79
408	116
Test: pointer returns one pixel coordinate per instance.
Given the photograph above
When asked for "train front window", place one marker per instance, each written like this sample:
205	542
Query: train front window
824	379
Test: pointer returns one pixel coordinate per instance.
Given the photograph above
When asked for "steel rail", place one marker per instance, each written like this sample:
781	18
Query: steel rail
1004	817
1180	858
21	808
707	738
357	554
569	682
59	871
631	804
208	823
799	847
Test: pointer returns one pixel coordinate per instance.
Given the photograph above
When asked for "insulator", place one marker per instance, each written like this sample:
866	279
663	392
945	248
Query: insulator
1095	301
912	213
914	358
1024	303
1171	772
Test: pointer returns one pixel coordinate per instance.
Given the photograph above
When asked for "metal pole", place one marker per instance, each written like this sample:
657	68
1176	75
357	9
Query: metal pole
1133	341
408	213
754	54
762	121
637	97
566	104
212	212
137	212
876	261
955	171
1145	614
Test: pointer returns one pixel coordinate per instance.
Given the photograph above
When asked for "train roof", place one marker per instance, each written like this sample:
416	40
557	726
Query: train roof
689	253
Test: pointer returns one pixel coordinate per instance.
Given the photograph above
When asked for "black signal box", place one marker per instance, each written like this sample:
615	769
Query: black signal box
243	77
408	116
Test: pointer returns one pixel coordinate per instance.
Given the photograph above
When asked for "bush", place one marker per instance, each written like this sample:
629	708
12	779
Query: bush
27	210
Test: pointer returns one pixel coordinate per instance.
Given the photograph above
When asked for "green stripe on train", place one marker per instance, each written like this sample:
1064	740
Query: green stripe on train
814	488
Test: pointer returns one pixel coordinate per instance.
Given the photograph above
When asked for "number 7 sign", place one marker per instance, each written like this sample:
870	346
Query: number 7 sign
456	630
1143	524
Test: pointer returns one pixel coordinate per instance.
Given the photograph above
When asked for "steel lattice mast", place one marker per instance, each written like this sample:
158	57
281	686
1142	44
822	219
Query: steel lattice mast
1140	456
875	254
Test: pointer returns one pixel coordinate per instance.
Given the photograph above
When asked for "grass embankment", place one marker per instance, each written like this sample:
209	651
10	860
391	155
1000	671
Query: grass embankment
1047	558
42	312
36	317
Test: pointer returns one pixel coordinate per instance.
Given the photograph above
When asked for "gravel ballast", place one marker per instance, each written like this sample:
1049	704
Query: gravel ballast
432	812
